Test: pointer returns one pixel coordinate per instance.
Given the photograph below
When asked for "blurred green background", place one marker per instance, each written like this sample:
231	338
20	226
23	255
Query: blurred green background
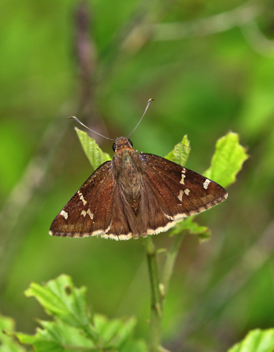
209	65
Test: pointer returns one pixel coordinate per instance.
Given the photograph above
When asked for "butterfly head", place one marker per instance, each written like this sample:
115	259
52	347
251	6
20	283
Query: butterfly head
122	143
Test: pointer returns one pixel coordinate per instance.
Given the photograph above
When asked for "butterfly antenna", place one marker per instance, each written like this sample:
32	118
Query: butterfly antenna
99	134
148	103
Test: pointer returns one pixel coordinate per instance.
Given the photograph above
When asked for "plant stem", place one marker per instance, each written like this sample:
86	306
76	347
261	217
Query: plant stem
170	261
156	301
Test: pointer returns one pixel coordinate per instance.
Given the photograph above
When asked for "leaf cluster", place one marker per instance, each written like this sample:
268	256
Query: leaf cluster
74	329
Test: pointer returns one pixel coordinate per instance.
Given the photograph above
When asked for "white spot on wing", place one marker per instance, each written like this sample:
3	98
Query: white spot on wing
206	183
180	196
125	237
82	197
113	237
181	216
116	237
64	214
97	232
163	228
168	216
84	213
183	177
177	217
187	191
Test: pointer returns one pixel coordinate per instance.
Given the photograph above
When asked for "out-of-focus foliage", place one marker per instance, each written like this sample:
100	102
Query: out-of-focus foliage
74	328
93	152
180	152
256	341
227	160
209	67
7	344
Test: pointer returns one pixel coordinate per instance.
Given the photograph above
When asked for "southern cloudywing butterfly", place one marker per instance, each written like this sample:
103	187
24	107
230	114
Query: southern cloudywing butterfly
135	195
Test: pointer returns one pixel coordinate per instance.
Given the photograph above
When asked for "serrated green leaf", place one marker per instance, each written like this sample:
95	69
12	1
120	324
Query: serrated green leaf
180	153
227	160
94	154
61	299
256	341
8	344
125	331
72	328
193	228
57	337
114	332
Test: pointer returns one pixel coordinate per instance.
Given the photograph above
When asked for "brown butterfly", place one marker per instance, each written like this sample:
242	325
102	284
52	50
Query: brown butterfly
135	195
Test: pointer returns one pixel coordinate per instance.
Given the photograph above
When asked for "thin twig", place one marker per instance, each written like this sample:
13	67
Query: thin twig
221	22
170	261
86	55
156	301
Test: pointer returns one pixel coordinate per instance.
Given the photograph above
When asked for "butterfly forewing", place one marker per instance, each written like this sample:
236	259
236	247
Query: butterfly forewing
89	211
97	208
180	192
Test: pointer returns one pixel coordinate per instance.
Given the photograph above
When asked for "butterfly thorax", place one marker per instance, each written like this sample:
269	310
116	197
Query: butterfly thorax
128	172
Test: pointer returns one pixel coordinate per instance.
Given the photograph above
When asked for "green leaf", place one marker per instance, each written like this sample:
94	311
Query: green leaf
72	328
193	228
56	337
115	332
180	153
227	160
94	154
6	343
256	341
61	299
59	337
